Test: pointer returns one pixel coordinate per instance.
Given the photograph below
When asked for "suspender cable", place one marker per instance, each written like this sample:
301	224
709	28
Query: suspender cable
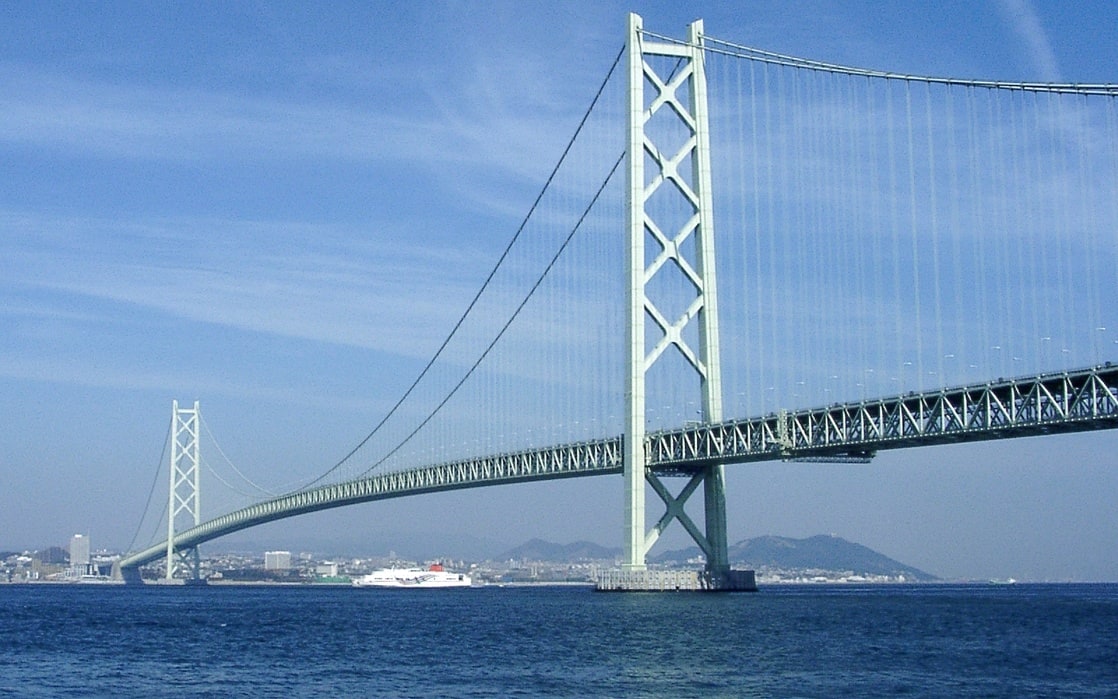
481	290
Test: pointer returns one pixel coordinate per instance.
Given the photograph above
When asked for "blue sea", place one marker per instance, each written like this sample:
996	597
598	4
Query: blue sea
784	641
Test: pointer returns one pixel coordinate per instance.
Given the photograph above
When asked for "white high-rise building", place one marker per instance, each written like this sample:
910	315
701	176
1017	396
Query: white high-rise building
79	552
277	560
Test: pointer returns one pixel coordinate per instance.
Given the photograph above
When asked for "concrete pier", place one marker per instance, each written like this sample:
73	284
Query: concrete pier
675	581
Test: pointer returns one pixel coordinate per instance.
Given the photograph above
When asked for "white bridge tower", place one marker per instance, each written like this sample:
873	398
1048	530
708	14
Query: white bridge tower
185	491
668	173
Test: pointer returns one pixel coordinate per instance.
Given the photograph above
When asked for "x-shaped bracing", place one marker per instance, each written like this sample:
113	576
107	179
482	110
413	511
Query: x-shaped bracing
674	509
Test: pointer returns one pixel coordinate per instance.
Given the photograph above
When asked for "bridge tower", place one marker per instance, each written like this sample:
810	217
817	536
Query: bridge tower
664	178
185	490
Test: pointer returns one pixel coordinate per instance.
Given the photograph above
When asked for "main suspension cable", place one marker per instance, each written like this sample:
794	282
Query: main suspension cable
151	492
505	327
484	286
246	479
720	46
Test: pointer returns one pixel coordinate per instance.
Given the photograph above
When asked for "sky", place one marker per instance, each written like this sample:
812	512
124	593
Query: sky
265	206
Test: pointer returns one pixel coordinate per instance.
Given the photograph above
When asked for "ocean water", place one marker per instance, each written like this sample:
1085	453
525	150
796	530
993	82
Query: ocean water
784	641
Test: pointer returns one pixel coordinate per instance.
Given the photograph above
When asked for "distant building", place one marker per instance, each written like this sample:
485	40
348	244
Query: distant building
51	556
277	560
79	550
326	569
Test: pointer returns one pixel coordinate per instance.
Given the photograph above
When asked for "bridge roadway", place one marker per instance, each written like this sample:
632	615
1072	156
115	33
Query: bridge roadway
1063	402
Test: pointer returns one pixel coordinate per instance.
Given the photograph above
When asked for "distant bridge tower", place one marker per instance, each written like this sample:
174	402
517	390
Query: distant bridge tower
185	490
669	172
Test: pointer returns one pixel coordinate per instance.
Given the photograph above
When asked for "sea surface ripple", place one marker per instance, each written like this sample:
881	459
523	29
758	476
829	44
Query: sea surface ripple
784	641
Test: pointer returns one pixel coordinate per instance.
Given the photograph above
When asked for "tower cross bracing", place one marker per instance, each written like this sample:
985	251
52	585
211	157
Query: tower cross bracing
668	159
679	97
184	500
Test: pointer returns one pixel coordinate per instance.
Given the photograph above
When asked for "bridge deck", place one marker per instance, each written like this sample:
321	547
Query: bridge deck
1074	401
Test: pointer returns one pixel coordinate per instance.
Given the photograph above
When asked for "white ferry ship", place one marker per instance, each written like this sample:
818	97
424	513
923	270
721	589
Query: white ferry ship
435	576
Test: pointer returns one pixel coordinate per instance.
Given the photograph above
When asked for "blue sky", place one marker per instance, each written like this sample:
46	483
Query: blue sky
265	207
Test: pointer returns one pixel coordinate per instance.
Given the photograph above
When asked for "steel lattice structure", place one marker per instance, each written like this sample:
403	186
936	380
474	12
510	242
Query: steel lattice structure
1049	404
185	487
678	172
669	171
1077	401
580	459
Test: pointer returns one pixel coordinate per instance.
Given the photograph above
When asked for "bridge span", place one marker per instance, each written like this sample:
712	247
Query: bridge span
849	243
1064	402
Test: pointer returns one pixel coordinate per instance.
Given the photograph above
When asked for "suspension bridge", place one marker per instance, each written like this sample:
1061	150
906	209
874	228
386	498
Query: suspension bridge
902	261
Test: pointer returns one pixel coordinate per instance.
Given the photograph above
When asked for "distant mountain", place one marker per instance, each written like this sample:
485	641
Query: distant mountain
540	550
816	553
821	552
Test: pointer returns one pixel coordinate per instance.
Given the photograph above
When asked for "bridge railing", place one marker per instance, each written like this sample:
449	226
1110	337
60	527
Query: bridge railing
593	457
1063	402
1052	403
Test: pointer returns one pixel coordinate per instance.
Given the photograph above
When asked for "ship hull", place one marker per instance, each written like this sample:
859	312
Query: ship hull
412	578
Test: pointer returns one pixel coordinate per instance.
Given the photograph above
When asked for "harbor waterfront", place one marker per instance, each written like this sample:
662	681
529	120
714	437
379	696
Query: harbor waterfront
787	640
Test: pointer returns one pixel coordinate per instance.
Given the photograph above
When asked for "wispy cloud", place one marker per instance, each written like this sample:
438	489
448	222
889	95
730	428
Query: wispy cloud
1025	22
298	281
468	126
153	123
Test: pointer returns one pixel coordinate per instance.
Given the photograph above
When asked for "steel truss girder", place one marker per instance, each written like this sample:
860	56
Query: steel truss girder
579	459
1074	401
1047	404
